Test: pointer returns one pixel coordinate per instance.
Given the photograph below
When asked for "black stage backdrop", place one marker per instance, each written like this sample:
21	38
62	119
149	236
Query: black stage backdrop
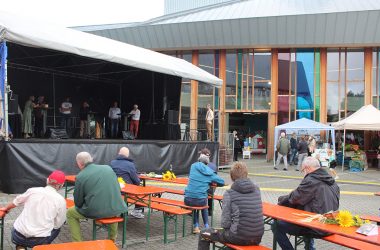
57	75
27	164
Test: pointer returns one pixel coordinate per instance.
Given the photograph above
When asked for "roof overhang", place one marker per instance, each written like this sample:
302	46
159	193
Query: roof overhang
35	33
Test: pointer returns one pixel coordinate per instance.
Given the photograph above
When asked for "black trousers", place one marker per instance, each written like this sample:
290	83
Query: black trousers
220	235
236	151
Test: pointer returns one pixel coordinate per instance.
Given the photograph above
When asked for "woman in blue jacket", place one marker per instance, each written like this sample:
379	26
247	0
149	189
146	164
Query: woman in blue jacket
200	178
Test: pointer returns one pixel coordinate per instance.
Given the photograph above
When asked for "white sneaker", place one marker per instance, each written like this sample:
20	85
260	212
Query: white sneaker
336	177
137	213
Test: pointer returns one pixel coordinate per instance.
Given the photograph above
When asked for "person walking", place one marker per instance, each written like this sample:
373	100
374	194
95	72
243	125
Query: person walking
293	149
302	152
283	149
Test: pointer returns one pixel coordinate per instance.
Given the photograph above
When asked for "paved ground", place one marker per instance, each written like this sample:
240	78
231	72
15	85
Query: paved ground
357	196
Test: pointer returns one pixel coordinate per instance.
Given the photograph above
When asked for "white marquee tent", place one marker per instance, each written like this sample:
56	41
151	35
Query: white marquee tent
366	118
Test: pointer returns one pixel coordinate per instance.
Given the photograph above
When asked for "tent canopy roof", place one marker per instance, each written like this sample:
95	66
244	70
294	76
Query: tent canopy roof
39	34
366	118
304	123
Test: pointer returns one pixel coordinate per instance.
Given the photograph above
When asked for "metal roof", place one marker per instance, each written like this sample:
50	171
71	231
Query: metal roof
257	24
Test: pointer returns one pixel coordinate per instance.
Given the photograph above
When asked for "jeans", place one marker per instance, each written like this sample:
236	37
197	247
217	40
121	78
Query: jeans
20	240
220	235
279	160
293	154
195	202
73	217
114	128
65	122
284	228
300	160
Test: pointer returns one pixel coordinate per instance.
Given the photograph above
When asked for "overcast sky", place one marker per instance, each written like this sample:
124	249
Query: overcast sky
86	12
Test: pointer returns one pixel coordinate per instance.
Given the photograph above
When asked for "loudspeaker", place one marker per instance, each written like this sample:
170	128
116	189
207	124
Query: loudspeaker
127	135
57	133
13	104
172	116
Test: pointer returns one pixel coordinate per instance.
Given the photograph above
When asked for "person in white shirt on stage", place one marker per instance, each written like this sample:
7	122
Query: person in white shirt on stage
209	121
135	119
43	215
114	114
65	110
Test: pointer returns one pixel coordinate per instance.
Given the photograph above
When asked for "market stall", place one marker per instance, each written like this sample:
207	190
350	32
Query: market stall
304	126
366	118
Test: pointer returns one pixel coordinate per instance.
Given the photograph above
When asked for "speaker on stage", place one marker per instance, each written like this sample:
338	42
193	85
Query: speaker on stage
172	116
56	133
13	104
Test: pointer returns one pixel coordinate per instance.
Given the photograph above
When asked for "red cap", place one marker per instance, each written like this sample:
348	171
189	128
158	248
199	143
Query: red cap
57	176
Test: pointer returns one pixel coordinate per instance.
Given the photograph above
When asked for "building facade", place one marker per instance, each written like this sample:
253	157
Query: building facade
279	60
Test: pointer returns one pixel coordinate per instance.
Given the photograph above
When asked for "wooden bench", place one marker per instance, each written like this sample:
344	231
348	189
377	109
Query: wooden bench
104	221
373	218
88	245
170	212
351	243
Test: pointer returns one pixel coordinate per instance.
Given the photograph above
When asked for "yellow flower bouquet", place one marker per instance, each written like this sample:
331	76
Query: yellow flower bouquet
121	182
168	175
343	218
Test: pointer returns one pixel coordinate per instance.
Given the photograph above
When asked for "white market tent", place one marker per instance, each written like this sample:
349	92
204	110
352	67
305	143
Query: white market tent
366	118
308	126
34	33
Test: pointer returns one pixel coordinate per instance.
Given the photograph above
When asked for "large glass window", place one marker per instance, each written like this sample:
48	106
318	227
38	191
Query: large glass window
298	84
345	83
185	91
262	84
231	78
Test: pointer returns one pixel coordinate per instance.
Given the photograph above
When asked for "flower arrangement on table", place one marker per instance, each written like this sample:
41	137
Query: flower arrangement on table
168	175
343	218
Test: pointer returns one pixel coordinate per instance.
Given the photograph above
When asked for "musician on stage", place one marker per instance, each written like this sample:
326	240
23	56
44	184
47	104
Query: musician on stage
65	110
83	115
135	120
114	114
40	115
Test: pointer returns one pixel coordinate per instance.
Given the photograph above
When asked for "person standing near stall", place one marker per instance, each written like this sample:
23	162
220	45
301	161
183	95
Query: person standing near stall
237	145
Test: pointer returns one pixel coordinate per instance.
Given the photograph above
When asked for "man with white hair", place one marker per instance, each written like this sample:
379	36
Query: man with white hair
124	167
96	195
317	193
43	215
283	149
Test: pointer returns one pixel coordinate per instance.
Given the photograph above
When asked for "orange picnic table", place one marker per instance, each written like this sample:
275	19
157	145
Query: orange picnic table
178	180
2	215
69	183
139	194
294	216
84	245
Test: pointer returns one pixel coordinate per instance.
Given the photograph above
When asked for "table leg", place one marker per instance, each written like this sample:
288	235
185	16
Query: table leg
212	206
274	229
65	189
2	233
148	222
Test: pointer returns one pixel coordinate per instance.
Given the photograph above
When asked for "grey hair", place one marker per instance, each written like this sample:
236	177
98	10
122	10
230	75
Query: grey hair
311	162
204	159
282	134
84	158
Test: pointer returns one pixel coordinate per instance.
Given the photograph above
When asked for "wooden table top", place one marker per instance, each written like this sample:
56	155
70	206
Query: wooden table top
2	214
288	214
84	245
178	180
70	178
140	190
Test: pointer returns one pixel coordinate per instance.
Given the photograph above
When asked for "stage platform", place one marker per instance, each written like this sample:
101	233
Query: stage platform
26	163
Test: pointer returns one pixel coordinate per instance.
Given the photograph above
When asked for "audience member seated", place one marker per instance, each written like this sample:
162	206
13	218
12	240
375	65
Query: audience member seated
317	193
200	178
96	196
125	168
43	215
242	214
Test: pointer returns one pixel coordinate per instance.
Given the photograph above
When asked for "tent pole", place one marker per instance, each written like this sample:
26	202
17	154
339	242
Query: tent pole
344	145
54	101
6	90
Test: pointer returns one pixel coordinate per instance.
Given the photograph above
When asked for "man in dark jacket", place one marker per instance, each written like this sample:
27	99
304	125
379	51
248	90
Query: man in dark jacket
317	193
125	168
242	214
293	149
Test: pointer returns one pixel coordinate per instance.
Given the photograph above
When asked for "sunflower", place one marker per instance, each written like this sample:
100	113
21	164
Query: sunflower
120	180
166	176
345	219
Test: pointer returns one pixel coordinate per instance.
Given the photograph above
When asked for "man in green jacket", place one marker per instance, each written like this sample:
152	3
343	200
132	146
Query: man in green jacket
283	149
96	195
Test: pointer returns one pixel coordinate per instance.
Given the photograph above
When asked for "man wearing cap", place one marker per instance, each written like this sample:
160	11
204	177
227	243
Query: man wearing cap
43	215
96	195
